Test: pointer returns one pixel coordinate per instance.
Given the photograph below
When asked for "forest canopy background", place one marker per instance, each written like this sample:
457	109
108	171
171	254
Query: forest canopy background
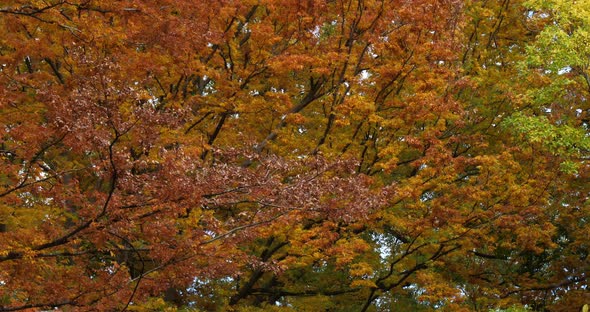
320	155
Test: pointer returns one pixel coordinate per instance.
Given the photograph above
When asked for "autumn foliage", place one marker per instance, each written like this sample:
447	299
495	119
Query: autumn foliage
319	155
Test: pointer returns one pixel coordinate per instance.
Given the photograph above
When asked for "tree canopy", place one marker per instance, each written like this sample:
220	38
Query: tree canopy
319	155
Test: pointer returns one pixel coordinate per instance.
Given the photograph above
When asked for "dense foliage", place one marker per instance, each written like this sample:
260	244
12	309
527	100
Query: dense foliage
319	155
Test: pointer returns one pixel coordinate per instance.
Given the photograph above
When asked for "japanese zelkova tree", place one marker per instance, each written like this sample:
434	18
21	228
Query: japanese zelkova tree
294	155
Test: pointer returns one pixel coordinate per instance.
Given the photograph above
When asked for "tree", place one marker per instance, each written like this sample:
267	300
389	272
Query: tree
288	155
